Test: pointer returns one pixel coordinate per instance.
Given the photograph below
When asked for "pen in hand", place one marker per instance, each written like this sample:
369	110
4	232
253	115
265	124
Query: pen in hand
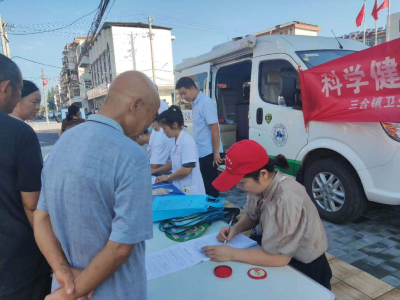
229	228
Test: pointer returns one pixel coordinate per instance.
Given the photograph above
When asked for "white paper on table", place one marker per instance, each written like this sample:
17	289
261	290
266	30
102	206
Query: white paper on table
172	259
153	179
239	241
187	254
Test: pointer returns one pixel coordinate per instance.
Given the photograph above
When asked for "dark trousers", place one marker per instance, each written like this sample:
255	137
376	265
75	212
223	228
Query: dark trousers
37	290
209	173
318	270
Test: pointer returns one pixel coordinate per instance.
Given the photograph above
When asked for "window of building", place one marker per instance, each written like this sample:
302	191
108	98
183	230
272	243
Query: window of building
201	83
101	70
105	67
291	31
109	62
270	77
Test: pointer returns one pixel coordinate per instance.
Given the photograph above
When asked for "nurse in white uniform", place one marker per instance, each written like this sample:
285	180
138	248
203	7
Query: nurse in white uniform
159	146
184	162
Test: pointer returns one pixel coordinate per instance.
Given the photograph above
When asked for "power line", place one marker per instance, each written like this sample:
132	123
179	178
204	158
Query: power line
35	62
50	30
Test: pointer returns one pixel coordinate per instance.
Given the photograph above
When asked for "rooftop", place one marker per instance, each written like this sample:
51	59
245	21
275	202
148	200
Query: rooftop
296	23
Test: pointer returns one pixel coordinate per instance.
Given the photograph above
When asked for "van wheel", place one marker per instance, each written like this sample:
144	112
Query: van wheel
336	190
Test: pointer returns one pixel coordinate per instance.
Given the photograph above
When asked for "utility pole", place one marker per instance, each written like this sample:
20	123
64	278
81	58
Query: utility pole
365	8
45	98
3	40
133	51
152	52
388	24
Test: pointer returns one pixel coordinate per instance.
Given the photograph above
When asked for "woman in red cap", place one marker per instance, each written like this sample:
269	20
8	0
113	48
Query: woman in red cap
292	231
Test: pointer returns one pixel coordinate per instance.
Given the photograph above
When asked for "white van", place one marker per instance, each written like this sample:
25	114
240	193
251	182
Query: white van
255	84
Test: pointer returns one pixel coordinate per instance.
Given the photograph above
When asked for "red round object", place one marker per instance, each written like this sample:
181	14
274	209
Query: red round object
45	81
223	271
257	273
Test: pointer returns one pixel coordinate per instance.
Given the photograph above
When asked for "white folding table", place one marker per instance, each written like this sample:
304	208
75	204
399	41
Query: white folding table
199	283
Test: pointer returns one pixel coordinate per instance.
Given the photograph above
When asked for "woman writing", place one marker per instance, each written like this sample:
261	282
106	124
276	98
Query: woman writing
73	118
292	231
29	105
184	162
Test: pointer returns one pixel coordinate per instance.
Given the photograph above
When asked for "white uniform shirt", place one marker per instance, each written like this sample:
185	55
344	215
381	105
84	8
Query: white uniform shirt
185	151
163	106
159	147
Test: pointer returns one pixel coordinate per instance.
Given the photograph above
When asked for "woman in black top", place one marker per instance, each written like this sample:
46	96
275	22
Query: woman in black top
73	118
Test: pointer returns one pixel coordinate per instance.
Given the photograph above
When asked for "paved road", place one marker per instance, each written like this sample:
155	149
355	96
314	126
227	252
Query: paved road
47	140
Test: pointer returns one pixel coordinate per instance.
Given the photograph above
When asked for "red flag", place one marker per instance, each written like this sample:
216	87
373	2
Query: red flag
361	87
360	16
375	11
384	5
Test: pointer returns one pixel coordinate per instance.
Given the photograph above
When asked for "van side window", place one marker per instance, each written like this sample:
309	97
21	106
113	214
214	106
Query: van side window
271	73
201	82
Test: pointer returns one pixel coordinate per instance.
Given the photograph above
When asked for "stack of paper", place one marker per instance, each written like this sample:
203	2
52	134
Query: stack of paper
185	255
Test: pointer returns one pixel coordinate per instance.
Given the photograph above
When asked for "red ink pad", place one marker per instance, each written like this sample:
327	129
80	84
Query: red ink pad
223	271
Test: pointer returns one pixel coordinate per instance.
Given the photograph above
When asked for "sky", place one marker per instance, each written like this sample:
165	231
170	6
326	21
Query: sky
197	25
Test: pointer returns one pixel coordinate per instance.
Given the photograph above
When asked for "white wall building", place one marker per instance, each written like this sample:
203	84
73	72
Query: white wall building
394	28
120	47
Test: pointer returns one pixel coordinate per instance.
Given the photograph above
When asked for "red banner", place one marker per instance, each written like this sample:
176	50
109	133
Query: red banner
360	87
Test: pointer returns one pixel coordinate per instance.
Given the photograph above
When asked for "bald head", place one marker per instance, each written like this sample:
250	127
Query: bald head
132	101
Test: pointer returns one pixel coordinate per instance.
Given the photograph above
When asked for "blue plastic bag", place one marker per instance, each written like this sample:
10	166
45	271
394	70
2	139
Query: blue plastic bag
168	207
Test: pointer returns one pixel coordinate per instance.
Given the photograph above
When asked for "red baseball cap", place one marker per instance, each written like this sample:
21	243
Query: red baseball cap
242	158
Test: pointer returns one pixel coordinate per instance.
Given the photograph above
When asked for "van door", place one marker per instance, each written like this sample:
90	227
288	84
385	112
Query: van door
279	129
201	76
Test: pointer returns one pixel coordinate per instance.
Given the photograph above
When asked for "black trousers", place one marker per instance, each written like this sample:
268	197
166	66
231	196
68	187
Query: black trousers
37	290
318	270
209	173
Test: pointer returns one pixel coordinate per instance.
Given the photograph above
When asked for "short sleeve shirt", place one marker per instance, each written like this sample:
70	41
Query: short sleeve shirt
289	220
96	191
184	151
21	261
204	115
159	148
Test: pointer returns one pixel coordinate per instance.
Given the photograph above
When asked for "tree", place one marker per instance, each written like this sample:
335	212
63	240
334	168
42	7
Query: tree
50	99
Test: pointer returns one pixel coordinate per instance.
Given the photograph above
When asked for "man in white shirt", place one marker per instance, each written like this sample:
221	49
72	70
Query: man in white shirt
163	106
158	145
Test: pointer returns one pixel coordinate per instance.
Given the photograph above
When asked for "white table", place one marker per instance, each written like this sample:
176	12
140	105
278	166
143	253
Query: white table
199	282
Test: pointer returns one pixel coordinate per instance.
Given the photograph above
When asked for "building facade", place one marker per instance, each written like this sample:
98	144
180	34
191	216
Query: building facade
394	27
69	76
292	28
121	47
369	36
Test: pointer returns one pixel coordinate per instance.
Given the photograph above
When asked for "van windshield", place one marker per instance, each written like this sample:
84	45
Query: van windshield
314	58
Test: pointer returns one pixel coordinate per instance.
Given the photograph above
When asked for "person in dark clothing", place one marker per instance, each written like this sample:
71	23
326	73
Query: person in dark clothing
73	118
24	272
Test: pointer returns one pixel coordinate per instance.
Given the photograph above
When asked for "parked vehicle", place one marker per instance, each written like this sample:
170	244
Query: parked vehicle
255	84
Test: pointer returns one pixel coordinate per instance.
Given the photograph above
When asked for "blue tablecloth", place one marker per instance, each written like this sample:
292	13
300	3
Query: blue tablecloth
165	185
